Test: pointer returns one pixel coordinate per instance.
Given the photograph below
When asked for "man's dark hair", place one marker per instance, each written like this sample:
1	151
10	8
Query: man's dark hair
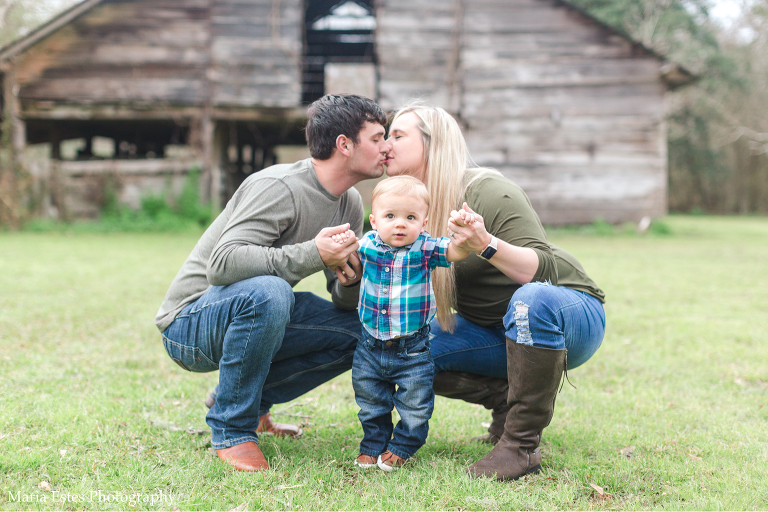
339	114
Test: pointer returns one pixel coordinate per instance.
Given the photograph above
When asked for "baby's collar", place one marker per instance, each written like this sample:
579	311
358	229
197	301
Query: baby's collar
383	245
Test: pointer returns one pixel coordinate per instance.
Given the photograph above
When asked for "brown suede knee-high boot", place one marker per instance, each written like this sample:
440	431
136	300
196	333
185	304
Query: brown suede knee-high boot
490	392
534	376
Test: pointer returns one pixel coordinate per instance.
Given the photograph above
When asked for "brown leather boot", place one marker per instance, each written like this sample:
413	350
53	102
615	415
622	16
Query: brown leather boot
266	424
489	392
210	399
534	376
244	457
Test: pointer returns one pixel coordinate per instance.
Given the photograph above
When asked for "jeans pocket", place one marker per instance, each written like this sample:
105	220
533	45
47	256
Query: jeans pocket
418	350
191	359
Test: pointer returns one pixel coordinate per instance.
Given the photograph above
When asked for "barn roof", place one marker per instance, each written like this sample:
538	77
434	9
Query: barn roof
672	73
46	29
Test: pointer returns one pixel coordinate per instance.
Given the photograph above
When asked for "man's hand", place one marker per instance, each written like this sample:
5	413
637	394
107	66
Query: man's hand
335	255
351	272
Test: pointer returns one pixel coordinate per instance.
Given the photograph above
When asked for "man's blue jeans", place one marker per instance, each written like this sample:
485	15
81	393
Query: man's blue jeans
376	370
539	314
270	345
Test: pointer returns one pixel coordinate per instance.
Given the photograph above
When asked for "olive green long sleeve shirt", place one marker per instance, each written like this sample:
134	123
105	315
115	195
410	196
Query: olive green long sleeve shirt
483	291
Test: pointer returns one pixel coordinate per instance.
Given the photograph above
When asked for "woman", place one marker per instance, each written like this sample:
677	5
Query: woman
526	309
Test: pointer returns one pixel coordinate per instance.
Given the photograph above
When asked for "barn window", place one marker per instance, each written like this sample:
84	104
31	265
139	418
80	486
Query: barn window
339	52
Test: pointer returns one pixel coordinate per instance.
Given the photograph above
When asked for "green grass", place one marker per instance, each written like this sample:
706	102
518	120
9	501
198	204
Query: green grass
90	402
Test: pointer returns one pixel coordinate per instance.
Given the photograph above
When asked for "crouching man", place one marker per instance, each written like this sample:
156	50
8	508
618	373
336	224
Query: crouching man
231	307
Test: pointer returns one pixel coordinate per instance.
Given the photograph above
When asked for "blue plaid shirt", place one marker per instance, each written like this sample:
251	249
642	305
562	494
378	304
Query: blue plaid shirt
396	297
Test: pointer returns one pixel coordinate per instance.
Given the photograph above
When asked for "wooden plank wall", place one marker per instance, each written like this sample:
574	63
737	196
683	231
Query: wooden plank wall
414	44
123	51
257	52
571	112
239	53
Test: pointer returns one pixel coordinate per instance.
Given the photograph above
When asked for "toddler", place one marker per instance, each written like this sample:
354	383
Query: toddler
392	365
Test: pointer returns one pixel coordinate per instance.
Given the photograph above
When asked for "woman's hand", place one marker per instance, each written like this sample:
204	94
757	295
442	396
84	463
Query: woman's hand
518	263
467	230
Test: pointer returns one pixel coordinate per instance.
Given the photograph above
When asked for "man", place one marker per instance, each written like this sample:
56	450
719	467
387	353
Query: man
231	307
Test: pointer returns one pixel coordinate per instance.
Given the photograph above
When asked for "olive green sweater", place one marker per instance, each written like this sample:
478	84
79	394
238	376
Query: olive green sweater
483	291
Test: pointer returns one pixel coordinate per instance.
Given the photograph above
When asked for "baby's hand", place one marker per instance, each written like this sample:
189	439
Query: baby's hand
463	218
343	238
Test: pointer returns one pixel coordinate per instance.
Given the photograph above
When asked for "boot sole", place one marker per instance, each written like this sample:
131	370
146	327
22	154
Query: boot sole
534	469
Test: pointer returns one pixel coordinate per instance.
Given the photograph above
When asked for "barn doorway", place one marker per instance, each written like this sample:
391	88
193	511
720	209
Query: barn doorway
339	51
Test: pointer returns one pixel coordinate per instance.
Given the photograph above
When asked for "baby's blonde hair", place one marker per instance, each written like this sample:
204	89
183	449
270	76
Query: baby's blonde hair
401	186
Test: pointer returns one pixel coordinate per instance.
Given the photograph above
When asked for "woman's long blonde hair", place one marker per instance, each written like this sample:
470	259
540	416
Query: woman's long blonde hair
447	163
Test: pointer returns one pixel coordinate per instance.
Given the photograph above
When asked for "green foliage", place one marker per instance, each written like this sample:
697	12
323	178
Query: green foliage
154	206
691	149
156	214
660	227
111	203
677	29
189	205
601	228
367	220
22	16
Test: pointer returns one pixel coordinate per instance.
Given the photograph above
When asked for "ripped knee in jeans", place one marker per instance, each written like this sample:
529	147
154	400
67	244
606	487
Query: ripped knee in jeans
522	324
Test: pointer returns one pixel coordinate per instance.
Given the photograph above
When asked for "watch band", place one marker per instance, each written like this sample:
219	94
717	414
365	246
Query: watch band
491	249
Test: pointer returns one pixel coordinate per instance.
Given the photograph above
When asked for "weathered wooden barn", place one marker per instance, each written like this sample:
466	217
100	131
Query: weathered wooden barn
135	93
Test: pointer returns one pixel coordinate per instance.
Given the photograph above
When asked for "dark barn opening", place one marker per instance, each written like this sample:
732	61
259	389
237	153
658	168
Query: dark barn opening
130	139
250	147
335	32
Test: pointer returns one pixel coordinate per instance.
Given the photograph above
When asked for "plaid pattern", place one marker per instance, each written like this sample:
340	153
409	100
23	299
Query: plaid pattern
396	296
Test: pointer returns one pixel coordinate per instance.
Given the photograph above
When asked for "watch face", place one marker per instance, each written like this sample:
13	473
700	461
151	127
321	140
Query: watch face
488	252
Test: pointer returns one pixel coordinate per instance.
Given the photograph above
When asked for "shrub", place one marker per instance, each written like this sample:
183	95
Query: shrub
156	214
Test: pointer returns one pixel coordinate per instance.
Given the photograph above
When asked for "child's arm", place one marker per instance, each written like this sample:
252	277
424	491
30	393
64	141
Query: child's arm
455	253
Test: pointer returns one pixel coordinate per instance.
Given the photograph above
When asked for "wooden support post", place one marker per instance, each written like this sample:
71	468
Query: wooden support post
211	172
217	157
13	175
57	207
52	197
196	142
